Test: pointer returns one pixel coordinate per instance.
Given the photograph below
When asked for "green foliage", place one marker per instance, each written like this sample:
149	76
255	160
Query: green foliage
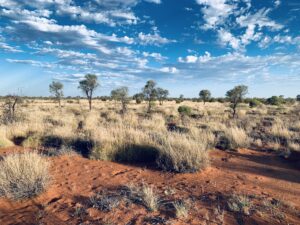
275	100
151	93
205	95
139	97
236	96
121	94
56	88
162	94
184	110
254	103
88	86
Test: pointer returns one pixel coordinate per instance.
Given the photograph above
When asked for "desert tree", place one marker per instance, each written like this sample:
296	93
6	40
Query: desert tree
121	94
9	114
150	93
298	98
162	95
139	97
236	96
56	88
205	95
88	86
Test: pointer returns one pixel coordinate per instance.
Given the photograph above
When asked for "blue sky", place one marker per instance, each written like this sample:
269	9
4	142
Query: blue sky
185	45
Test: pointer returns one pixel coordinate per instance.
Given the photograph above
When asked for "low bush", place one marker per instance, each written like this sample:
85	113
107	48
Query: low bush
23	175
181	154
254	103
233	138
184	110
32	140
170	151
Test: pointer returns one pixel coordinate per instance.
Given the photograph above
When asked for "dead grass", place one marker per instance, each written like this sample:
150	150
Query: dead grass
145	195
181	209
137	138
23	175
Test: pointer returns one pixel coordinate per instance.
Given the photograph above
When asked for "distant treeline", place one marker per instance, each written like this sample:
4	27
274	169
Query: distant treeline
274	100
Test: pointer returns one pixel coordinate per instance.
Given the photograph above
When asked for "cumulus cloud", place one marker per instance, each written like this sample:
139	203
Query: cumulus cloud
215	12
171	70
195	59
236	23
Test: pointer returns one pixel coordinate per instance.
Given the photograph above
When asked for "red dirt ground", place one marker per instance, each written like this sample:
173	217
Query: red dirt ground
262	176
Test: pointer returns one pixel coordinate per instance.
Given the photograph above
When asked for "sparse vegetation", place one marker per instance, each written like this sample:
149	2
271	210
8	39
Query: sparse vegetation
145	195
88	86
23	175
236	96
121	94
182	209
205	95
239	204
56	88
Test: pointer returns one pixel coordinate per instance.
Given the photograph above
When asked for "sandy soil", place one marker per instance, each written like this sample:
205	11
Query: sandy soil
262	176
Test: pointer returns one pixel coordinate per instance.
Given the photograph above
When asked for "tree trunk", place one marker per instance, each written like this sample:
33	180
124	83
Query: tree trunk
149	106
59	103
234	111
124	107
90	103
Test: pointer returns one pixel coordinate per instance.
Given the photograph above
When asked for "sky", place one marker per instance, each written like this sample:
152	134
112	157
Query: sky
184	45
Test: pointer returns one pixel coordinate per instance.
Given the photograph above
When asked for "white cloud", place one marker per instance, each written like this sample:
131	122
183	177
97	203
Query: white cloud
156	56
259	19
195	59
31	62
237	67
215	12
152	39
171	70
154	1
229	17
226	38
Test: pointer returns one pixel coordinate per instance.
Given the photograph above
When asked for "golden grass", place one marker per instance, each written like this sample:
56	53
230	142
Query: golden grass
23	175
128	137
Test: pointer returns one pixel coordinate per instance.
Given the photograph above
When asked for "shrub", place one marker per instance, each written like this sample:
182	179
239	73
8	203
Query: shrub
23	175
233	138
170	151
181	154
184	110
31	141
275	100
254	103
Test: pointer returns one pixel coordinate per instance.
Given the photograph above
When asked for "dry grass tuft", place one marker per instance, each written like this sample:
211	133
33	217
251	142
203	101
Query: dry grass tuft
146	195
182	209
23	175
179	153
240	204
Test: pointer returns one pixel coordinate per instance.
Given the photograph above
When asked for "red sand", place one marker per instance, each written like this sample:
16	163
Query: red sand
248	172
